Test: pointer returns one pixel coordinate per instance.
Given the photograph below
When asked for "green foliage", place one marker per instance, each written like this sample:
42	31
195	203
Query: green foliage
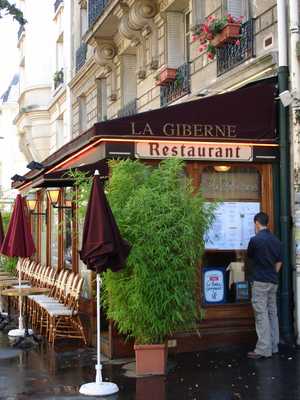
8	263
83	183
11	9
5	219
158	213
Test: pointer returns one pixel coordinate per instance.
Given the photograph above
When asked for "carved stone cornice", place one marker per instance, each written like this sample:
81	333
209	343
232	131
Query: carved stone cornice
82	4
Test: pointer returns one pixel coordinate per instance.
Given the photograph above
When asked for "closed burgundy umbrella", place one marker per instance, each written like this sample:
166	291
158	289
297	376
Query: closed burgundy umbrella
1	231
18	242
102	247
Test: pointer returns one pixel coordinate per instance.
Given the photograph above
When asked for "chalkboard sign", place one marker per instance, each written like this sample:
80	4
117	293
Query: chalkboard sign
214	285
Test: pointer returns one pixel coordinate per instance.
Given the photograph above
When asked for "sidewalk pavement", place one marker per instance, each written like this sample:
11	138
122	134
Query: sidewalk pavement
222	374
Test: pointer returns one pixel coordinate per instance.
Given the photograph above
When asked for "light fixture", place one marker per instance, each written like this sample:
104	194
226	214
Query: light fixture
31	201
54	197
222	168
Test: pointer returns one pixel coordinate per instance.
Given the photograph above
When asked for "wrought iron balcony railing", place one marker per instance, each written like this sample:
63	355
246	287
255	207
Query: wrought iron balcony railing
231	55
20	31
178	88
57	4
129	109
81	56
95	9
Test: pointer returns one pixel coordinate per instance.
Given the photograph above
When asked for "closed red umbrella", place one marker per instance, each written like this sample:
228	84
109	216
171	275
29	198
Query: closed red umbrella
18	242
1	231
102	244
102	247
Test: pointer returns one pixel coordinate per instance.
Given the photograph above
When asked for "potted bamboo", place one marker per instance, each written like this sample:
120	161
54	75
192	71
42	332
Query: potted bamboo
165	221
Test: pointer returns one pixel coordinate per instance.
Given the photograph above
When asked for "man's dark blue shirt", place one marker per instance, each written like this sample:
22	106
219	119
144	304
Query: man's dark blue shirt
265	250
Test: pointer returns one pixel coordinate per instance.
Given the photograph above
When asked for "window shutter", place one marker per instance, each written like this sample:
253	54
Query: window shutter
238	8
129	78
102	99
175	39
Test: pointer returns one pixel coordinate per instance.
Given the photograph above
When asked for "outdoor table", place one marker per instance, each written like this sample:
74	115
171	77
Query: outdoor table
25	292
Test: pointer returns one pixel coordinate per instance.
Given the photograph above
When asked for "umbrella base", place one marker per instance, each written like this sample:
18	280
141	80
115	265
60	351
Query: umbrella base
99	389
19	332
25	342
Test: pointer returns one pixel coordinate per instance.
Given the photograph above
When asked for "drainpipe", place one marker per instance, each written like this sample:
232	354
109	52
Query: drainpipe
295	88
285	304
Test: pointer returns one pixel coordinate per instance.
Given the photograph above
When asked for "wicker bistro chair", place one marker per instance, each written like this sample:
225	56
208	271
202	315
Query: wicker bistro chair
56	295
63	319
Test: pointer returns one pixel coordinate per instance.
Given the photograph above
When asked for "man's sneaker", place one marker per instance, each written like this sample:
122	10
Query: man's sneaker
255	356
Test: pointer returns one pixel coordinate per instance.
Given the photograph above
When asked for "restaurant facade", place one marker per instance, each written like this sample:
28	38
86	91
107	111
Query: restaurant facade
230	146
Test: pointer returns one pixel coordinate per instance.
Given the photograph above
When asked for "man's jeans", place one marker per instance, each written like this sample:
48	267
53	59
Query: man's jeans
266	319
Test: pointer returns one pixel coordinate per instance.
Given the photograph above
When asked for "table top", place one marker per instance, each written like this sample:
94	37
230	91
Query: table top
7	276
10	282
16	292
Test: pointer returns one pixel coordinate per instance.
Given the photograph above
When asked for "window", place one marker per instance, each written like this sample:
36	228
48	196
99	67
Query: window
59	131
82	114
67	229
59	54
238	8
187	36
175	39
238	190
43	257
129	81
83	21
198	11
101	99
54	237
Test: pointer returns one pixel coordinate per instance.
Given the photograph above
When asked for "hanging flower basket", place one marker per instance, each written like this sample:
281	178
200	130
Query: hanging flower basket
216	32
166	76
230	33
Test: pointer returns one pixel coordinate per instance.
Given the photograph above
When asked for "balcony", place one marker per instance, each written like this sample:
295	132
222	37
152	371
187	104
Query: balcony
95	9
57	4
20	31
177	88
81	56
129	109
231	55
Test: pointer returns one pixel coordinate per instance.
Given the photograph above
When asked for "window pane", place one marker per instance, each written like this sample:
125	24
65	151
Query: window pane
43	230
54	237
236	184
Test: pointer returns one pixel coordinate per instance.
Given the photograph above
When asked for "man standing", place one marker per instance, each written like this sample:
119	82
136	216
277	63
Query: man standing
265	251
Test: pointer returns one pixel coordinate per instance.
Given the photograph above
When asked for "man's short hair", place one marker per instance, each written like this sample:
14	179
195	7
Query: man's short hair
262	218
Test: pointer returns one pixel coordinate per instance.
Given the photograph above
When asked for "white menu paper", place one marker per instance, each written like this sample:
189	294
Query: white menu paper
233	226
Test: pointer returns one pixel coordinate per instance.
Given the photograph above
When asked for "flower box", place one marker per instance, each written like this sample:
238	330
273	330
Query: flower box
229	33
166	76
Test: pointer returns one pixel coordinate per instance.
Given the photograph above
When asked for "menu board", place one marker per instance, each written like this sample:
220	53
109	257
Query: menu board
233	226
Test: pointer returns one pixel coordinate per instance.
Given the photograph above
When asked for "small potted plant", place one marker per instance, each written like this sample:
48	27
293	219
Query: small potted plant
215	32
155	296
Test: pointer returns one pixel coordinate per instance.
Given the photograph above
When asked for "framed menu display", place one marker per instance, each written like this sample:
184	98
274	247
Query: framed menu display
233	226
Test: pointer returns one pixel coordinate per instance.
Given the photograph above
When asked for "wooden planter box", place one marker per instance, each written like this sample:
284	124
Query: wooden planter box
151	359
166	76
229	33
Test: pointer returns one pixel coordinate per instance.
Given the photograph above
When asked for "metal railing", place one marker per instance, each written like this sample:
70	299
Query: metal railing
231	55
81	56
20	31
129	109
95	9
57	3
178	88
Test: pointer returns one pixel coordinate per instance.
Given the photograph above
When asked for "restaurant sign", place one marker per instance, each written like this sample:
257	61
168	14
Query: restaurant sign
193	151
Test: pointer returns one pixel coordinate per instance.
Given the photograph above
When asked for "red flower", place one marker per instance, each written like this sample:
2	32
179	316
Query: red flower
238	42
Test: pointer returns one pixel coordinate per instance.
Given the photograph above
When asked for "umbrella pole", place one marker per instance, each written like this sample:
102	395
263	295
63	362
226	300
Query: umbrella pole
98	365
98	388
